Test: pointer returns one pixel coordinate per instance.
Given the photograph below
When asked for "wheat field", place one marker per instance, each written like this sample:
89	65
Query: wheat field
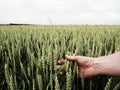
29	56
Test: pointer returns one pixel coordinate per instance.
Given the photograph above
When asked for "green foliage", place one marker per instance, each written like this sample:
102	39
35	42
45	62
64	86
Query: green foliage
29	56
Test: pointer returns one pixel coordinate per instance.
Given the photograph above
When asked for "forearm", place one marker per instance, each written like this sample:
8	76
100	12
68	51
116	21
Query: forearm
109	65
115	56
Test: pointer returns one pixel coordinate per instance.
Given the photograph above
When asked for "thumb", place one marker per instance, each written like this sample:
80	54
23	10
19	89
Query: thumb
71	58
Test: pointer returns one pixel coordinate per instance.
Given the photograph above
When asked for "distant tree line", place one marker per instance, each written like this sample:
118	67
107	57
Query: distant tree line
18	24
15	24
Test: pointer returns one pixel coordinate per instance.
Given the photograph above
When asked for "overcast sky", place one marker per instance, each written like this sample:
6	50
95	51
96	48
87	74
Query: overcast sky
60	11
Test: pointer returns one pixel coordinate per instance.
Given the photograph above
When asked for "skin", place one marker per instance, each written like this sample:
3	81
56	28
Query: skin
92	66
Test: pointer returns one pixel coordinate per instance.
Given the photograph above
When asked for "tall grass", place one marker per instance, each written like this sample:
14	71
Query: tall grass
29	56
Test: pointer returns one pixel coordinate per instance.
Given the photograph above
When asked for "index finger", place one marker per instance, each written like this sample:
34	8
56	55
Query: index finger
72	58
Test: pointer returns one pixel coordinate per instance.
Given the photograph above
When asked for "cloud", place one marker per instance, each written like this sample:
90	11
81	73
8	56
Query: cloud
60	11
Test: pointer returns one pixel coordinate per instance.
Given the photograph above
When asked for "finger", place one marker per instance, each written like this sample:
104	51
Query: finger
61	62
60	73
58	67
71	58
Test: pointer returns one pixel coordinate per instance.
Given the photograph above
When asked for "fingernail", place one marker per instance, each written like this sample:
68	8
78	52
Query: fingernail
66	55
60	73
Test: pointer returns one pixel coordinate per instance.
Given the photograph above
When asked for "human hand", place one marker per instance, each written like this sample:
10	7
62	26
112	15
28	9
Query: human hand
104	65
88	64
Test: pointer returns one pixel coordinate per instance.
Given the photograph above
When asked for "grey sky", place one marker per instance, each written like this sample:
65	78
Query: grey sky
60	11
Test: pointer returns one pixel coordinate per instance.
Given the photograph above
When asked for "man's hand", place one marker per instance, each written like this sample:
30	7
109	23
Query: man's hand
104	65
88	64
